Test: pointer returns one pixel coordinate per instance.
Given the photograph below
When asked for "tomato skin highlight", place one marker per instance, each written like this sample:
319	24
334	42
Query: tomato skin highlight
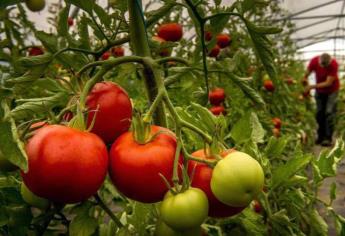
134	168
114	110
202	175
184	210
216	96
170	32
66	165
223	40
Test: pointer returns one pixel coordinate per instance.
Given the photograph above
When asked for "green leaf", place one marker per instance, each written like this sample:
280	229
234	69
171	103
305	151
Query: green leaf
263	48
10	145
62	27
36	106
86	5
284	171
8	181
83	225
317	223
6	3
247	5
140	216
83	31
248	128
275	147
102	15
40	60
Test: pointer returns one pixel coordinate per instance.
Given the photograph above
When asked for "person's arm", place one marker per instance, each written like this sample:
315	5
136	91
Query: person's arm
328	82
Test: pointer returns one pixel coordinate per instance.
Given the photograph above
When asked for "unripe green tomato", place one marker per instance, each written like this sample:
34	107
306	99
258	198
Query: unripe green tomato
163	230
35	5
184	210
32	199
5	165
237	179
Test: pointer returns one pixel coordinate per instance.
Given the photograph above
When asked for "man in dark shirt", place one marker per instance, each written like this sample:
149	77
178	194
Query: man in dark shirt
327	87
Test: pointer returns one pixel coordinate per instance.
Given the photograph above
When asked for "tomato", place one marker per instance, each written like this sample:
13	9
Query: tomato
170	31
276	132
5	165
118	51
214	51
184	210
277	122
163	230
32	199
217	110
216	96
66	165
208	35
163	51
269	86
201	174
70	21
113	110
135	168
237	179
223	40
35	51
105	56
257	206
290	81
35	5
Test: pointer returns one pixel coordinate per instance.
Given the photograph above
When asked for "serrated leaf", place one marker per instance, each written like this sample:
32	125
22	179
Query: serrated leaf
10	145
39	60
62	27
140	216
317	223
327	161
275	147
247	5
102	15
284	171
82	225
154	15
83	31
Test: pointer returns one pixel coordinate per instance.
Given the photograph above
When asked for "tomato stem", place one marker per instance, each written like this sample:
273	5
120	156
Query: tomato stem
101	203
176	59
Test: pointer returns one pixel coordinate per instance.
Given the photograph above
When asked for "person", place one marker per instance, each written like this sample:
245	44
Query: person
327	87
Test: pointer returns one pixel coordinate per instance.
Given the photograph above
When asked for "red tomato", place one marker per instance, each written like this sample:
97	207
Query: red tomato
66	165
163	52
217	110
277	122
257	207
208	35
201	179
114	110
70	21
223	40
35	51
269	86
118	51
170	32
135	168
214	51
216	96
105	56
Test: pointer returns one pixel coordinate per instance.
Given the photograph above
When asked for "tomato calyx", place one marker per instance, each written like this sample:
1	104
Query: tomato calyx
141	129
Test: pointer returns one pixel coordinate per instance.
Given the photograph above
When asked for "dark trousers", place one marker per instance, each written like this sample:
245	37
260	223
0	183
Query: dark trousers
326	110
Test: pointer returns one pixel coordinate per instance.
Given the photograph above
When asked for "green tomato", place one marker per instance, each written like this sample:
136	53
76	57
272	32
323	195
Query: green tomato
184	210
32	199
35	5
237	179
5	165
163	230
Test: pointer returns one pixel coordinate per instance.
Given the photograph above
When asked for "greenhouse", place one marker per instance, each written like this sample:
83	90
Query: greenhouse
172	117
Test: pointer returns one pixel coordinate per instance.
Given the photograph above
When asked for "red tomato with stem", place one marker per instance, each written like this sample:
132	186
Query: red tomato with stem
202	178
113	109
135	168
170	32
66	165
216	96
223	40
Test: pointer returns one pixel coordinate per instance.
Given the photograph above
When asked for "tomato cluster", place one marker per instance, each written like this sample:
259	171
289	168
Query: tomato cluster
277	125
222	41
216	98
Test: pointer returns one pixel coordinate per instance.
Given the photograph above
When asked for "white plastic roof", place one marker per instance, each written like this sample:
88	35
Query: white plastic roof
320	26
